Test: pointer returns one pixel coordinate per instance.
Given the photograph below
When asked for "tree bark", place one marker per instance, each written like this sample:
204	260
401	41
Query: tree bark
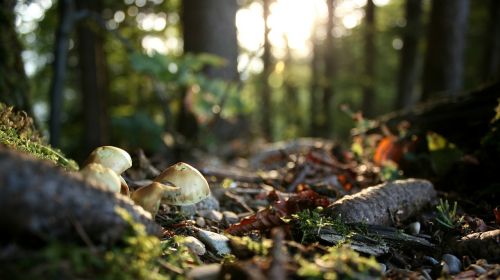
65	13
94	79
492	53
329	73
409	55
444	60
14	86
42	201
369	74
209	26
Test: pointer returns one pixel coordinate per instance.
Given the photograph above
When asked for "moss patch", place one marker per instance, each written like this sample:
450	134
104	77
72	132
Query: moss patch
17	132
339	263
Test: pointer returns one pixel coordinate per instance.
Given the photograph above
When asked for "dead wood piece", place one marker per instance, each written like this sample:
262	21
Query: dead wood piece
485	245
357	243
384	204
277	271
376	240
38	199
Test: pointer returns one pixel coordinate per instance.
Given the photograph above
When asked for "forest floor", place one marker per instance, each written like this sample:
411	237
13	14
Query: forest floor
303	209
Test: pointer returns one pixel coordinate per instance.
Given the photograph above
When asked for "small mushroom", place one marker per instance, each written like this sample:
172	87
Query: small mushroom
188	186
97	174
124	189
115	158
149	197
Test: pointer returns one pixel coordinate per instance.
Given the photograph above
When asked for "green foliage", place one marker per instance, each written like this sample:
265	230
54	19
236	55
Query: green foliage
17	132
339	263
147	133
447	216
309	223
443	154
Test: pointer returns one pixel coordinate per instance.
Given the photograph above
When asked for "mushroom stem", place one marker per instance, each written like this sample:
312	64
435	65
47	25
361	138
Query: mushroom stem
149	197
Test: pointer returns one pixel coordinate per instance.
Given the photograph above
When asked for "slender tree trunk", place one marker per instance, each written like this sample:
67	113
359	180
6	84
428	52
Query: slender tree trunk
266	90
369	75
210	27
409	55
65	14
329	74
94	79
291	93
492	53
444	60
14	88
314	104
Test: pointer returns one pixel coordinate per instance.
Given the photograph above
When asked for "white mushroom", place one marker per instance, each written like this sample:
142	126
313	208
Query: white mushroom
97	174
114	158
180	184
111	157
187	185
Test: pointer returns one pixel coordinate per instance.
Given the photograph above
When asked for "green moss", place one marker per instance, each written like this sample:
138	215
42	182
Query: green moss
260	248
339	263
309	223
17	132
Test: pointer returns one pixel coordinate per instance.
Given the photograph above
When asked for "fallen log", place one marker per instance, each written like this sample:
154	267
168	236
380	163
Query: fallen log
462	119
40	200
480	245
384	204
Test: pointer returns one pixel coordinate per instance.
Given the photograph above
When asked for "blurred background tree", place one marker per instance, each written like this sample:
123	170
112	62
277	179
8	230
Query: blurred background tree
164	74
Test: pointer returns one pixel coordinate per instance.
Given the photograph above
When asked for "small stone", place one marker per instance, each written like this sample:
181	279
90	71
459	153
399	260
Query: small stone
213	215
230	217
215	241
478	269
414	228
194	245
383	268
430	260
453	264
200	221
205	272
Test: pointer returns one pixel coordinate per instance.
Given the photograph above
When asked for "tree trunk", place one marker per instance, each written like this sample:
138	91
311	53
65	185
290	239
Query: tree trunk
492	54
369	75
329	74
314	104
65	13
266	122
291	93
444	60
94	79
14	89
409	55
210	27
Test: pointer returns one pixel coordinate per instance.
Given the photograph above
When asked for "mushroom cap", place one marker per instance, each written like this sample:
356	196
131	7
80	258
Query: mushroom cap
111	157
149	197
97	174
189	185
